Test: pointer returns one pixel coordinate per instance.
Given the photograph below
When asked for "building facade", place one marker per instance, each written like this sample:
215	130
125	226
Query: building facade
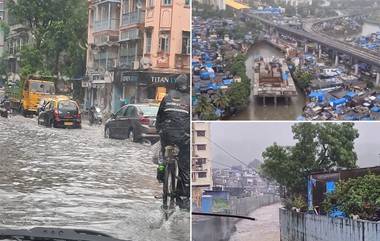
137	48
201	161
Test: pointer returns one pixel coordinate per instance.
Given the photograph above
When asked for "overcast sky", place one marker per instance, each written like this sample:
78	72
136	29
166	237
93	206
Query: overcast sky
247	140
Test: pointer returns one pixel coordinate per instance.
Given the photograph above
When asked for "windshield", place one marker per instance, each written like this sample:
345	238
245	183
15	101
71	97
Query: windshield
42	87
67	106
149	110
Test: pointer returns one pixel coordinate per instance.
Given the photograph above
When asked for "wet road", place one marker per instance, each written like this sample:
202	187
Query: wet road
265	228
76	178
256	110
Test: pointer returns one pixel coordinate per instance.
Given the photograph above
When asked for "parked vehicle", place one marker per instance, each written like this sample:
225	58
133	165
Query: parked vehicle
25	95
135	122
5	109
60	113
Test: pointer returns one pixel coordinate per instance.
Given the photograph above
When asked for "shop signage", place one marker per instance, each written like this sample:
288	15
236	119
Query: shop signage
163	79
126	78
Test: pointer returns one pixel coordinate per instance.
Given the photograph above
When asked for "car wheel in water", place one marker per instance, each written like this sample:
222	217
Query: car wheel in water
132	135
107	132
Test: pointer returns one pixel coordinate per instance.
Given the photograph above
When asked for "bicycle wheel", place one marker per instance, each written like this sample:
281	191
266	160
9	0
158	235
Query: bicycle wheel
169	186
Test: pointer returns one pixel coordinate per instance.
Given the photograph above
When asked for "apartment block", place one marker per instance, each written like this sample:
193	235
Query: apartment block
137	48
201	161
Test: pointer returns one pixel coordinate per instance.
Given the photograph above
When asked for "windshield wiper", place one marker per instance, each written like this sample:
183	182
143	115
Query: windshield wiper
223	215
48	234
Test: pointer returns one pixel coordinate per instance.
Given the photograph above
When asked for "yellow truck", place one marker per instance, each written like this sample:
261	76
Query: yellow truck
25	95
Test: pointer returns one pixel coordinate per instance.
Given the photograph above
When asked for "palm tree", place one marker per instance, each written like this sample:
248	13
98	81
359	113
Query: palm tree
221	100
204	107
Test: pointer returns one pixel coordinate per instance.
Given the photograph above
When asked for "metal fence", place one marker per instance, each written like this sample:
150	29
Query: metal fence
307	227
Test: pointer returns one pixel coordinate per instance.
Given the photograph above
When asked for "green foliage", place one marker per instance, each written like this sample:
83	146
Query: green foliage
205	109
318	147
220	204
356	196
297	201
59	30
220	100
303	78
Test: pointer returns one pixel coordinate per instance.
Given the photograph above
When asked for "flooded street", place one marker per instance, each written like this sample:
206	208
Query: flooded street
256	110
78	179
265	228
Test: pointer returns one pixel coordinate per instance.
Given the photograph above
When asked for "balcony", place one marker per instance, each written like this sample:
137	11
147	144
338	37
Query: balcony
126	62
182	61
163	60
199	168
106	25
132	18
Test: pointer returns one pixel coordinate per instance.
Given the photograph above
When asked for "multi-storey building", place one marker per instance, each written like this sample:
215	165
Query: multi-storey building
201	161
19	35
2	33
136	50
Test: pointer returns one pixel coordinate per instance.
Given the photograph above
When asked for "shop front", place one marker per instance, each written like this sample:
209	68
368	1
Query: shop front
142	86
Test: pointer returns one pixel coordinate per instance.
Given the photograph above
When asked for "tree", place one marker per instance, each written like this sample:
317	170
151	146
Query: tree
318	147
205	109
356	196
220	100
59	33
303	78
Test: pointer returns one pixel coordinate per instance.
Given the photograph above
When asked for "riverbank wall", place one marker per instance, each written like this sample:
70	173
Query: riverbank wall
221	228
307	227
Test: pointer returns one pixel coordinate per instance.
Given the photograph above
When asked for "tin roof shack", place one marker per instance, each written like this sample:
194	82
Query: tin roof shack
320	183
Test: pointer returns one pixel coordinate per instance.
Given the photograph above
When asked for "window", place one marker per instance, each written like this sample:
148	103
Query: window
130	111
150	3
201	147
200	161
166	2
187	2
201	133
121	112
164	42
148	43
202	174
185	42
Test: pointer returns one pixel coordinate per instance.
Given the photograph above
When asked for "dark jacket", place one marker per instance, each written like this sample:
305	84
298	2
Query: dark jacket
174	112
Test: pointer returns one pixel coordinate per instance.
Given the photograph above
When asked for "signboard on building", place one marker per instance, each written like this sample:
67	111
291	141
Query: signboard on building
129	78
86	84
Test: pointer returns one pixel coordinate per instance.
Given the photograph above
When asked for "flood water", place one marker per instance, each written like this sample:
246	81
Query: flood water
78	179
256	110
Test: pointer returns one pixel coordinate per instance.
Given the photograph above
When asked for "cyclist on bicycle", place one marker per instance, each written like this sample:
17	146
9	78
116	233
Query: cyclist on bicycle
173	125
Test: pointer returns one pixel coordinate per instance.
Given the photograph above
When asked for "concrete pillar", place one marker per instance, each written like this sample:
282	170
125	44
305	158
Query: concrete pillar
377	79
109	15
319	51
306	48
275	100
336	59
264	100
356	68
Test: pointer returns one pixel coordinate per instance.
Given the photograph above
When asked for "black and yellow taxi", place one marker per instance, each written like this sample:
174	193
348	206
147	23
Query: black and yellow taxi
60	112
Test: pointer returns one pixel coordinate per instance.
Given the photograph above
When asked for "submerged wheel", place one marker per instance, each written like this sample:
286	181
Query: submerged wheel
170	186
107	133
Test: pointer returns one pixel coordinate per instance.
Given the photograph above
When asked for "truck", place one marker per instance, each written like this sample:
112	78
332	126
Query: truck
26	94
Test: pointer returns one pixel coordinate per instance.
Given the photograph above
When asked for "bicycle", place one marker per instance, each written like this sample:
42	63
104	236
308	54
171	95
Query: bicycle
171	177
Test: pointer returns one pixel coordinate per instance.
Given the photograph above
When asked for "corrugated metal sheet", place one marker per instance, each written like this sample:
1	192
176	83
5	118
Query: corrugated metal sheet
305	227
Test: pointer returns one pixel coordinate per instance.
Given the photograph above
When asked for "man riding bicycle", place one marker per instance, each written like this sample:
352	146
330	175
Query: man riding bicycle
173	125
